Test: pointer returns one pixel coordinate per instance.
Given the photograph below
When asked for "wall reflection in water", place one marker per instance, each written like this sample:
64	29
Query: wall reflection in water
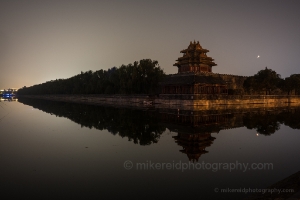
193	127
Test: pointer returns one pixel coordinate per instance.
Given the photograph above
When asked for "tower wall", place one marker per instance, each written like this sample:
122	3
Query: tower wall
234	82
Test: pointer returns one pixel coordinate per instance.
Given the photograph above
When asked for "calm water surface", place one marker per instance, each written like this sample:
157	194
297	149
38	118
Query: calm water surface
62	150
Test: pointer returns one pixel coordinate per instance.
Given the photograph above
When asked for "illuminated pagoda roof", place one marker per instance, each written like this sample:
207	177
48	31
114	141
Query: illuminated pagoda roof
194	59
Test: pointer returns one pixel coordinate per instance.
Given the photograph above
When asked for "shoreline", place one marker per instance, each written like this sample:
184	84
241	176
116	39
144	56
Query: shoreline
206	103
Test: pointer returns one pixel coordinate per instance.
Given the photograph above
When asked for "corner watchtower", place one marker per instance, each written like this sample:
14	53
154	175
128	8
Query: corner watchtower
194	59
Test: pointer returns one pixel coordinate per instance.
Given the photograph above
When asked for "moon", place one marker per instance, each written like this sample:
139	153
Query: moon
258	56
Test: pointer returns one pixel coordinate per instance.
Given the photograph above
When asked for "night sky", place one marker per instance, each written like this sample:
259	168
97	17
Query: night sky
47	40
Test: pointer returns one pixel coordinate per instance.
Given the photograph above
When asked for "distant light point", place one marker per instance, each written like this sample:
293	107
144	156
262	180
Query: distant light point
258	56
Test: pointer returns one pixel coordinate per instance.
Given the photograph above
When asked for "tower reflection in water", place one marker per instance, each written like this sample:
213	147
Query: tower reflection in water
194	127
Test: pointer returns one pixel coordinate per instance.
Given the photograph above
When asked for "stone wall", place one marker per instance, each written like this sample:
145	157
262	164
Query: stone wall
212	100
98	99
234	82
197	100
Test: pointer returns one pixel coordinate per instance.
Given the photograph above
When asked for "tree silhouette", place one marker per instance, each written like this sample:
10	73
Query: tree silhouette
265	80
138	78
291	83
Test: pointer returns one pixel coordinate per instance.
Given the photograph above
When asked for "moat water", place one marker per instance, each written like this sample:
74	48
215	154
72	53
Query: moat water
56	150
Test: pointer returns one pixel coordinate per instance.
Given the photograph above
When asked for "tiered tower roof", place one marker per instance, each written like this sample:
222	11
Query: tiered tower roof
194	59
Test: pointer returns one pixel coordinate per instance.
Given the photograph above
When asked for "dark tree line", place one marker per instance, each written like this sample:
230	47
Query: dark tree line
291	84
138	78
268	82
